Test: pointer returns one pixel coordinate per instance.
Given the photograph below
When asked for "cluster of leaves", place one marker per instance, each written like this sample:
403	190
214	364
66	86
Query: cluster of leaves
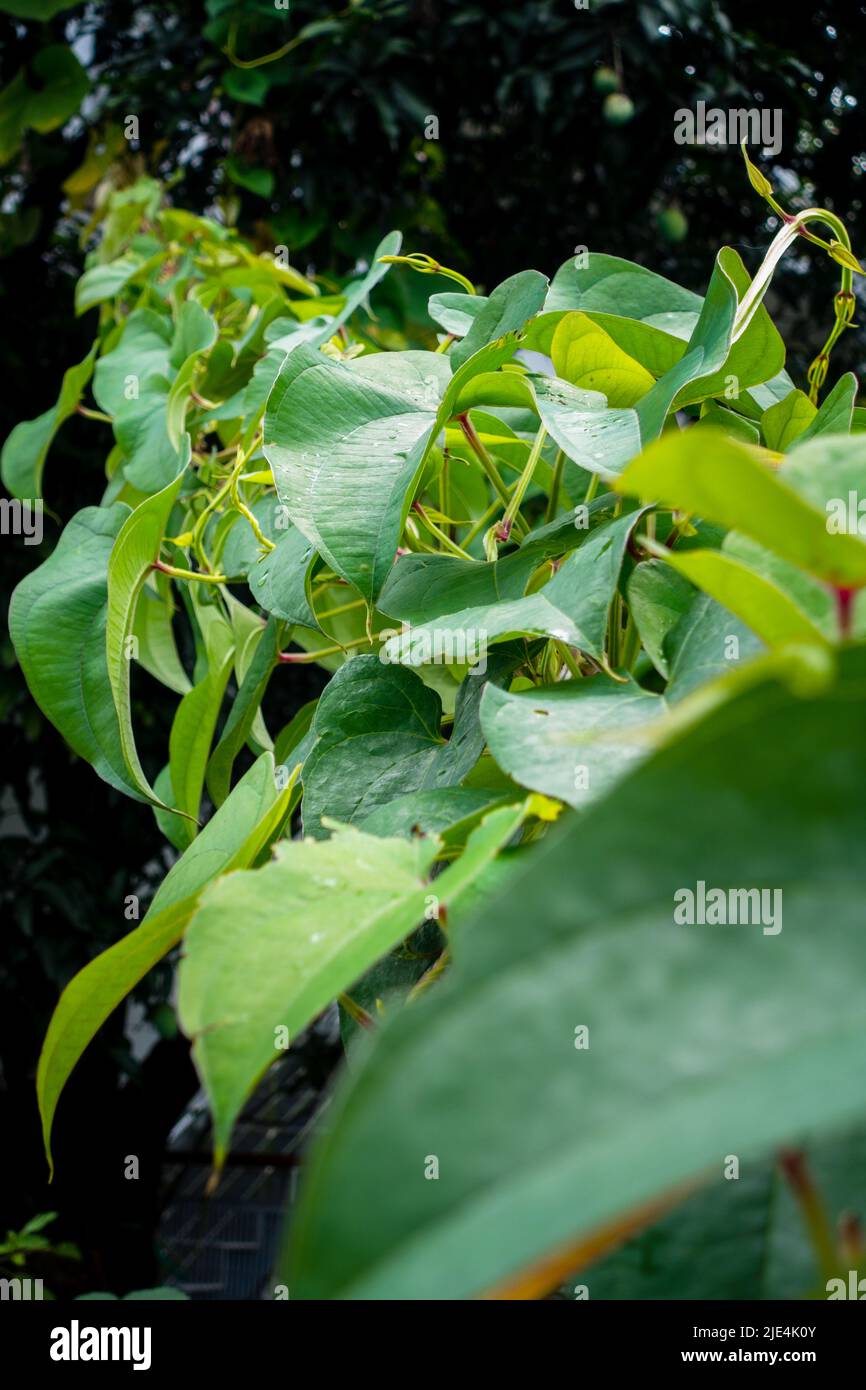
608	489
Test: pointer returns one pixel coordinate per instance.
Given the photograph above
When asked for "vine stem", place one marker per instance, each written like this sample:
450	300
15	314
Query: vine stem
303	658
342	608
794	1166
567	656
429	976
425	265
484	520
556	481
204	578
512	511
356	1011
445	541
487	463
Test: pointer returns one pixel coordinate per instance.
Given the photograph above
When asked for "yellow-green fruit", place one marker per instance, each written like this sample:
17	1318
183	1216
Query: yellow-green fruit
605	80
673	224
618	108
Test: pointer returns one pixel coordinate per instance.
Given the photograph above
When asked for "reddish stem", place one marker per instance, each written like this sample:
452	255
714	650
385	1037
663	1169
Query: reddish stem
844	608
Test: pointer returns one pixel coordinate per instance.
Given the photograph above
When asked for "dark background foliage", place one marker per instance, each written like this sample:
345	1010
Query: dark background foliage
323	150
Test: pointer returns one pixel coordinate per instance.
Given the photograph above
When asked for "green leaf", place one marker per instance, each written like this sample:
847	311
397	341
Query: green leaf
421	587
193	729
62	85
824	472
573	607
728	420
760	1243
784	421
585	355
690	1028
358	293
506	311
811	596
572	741
604	440
142	429
103	282
13	110
608	284
596	438
455	312
36	9
157	649
26	448
765	607
139	354
57	623
135	549
704	644
835	413
246	85
234	838
250	969
259	181
345	443
279	581
658	598
377	737
244	709
754	357
724	481
437	811
195	332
